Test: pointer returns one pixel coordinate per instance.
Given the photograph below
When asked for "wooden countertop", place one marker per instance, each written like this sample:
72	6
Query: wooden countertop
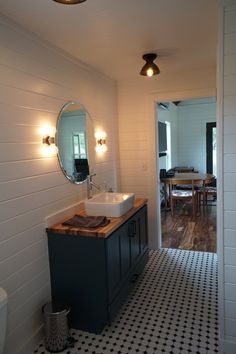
103	231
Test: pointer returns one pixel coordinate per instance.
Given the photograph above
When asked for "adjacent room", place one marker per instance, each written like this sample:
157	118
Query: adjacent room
187	154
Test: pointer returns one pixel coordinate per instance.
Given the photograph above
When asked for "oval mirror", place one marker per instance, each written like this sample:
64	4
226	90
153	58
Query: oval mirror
75	142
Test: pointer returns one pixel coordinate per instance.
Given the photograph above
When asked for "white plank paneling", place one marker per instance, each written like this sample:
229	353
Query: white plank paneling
21	259
230	309
17	79
230	43
229	124
230	256
230	22
230	201
29	99
25	330
230	291
20	133
26	186
19	152
230	272
230	220
229	64
230	238
34	217
229	151
230	163
37	298
229	105
22	169
13	114
230	85
35	81
20	241
229	182
230	327
21	276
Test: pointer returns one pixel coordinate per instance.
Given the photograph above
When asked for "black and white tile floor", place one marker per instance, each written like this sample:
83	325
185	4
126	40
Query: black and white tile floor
173	309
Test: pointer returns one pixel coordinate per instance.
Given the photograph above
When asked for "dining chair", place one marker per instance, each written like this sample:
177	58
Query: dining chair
184	194
205	192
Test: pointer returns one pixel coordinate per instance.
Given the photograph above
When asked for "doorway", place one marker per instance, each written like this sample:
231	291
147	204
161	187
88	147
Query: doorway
189	151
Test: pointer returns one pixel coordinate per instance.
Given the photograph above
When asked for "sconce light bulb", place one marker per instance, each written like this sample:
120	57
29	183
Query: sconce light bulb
150	72
101	149
100	135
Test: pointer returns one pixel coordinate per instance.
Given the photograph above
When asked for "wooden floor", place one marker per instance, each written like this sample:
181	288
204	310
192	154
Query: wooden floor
185	232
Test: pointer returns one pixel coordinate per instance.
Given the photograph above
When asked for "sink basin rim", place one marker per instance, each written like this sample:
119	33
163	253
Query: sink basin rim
109	204
110	198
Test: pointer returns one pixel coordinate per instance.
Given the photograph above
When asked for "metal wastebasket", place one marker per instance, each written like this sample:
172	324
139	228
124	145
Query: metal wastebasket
56	326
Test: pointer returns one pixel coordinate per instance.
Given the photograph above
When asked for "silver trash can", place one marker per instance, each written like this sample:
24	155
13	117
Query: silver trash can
56	326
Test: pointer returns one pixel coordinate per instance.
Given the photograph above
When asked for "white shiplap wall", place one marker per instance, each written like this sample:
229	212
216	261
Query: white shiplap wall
227	266
137	131
192	119
35	81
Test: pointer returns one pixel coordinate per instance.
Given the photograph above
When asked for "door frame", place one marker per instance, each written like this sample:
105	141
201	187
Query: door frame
154	200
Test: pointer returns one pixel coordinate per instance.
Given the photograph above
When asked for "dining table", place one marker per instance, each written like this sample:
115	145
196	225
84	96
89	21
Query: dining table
205	178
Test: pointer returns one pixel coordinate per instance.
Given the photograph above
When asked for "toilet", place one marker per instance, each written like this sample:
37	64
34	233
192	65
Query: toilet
3	318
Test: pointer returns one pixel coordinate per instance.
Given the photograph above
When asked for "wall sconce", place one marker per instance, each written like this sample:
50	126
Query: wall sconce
49	140
150	68
101	145
48	148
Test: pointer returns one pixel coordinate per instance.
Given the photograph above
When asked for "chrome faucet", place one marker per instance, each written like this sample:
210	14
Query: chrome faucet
90	185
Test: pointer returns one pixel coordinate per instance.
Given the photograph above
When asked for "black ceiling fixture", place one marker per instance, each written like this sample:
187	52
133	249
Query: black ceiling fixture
150	68
176	102
69	2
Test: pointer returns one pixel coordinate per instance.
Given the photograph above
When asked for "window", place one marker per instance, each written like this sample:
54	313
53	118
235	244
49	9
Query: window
80	145
211	148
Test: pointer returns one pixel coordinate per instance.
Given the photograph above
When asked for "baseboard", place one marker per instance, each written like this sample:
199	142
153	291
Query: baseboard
227	347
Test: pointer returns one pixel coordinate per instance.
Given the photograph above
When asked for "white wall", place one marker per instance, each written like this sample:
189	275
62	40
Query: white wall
137	130
227	204
188	132
192	118
35	81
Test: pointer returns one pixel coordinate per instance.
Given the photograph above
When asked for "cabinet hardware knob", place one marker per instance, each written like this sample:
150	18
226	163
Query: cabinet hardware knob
134	278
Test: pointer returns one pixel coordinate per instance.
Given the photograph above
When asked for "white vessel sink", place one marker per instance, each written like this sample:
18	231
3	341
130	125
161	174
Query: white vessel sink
109	204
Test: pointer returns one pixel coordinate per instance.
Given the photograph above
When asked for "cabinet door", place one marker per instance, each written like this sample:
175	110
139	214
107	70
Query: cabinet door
134	236
125	255
118	258
113	264
143	229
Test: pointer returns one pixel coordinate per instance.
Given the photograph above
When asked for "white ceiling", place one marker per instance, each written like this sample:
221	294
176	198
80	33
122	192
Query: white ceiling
112	35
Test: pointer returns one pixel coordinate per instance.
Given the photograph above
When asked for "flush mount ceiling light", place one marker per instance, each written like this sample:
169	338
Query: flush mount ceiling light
150	68
69	2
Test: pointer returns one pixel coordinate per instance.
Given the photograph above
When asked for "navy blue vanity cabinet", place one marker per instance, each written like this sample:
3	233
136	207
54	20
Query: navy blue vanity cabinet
127	254
95	274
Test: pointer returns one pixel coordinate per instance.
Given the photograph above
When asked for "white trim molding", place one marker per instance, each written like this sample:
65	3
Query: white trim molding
225	3
220	166
153	99
228	347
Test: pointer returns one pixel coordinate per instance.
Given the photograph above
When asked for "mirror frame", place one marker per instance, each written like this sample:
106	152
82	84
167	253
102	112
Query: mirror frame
91	168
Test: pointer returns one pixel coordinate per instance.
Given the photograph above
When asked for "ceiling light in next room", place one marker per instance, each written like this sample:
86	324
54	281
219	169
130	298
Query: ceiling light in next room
150	68
69	2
